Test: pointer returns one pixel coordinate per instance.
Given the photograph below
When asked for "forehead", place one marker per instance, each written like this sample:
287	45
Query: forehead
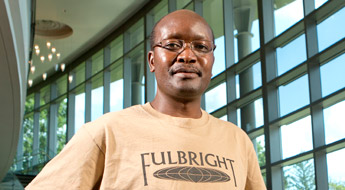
186	26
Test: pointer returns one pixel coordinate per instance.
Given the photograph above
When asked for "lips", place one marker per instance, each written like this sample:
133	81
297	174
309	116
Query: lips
186	70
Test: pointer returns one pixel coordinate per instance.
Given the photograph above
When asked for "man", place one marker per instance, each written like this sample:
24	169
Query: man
169	143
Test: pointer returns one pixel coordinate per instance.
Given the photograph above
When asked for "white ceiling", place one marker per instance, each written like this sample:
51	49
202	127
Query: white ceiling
90	20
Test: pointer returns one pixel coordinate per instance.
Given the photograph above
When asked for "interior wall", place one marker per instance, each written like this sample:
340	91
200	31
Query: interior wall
15	16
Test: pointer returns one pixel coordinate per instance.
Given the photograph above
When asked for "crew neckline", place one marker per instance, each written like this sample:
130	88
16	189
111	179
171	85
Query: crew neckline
177	121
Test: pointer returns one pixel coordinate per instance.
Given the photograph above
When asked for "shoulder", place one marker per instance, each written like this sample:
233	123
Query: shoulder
231	130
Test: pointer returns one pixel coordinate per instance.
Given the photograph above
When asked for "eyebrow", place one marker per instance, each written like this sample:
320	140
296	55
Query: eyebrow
179	36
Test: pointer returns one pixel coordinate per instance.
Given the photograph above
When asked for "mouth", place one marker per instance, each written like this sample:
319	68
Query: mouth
186	70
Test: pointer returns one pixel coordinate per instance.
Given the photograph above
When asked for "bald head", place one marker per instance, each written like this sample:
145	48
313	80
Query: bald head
178	16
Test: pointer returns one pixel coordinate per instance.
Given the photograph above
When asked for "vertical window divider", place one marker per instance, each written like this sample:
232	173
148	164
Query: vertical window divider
229	60
314	79
274	175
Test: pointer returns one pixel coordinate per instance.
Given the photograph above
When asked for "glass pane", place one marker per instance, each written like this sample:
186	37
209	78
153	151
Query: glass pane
43	135
215	98
224	118
182	3
61	85
44	95
79	74
335	169
136	59
28	138
97	97
213	14
318	3
116	49
30	103
251	115
259	145
287	14
61	125
28	127
332	75
248	80
116	86
246	29
160	10
330	30
97	62
300	175
334	122
135	34
291	55
294	95
296	137
190	6
79	107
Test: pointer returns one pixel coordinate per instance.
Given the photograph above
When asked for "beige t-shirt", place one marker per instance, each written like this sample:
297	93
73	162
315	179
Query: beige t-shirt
141	148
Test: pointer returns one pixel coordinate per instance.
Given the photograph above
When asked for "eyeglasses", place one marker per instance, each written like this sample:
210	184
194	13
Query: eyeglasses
197	46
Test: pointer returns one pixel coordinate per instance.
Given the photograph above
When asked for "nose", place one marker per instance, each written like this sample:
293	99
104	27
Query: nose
186	55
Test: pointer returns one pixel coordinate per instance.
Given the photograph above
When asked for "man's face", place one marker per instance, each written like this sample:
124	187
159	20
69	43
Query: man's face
187	74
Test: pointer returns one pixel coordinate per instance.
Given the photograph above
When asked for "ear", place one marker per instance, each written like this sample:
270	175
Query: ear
150	57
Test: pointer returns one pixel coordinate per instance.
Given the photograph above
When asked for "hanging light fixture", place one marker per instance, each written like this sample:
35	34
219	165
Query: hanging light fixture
30	82
62	66
44	76
70	78
50	57
37	51
37	47
49	45
56	67
42	58
32	69
58	55
53	49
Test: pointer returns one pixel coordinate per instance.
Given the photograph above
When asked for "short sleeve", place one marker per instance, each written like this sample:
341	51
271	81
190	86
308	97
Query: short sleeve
254	178
78	166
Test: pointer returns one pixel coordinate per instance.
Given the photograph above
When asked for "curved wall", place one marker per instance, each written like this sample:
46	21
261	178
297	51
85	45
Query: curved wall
14	55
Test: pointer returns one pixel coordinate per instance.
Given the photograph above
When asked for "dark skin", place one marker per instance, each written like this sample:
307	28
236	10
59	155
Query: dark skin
182	77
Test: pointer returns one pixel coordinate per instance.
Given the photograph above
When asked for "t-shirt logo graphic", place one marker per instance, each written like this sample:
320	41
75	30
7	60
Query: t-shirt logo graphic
200	167
192	174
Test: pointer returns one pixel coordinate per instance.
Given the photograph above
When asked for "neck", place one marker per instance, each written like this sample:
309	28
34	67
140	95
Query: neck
177	107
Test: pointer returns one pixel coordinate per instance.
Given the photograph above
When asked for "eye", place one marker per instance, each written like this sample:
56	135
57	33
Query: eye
202	47
172	45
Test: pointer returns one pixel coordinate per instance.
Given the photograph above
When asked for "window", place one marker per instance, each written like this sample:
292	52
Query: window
97	62
330	30
61	124
135	34
30	103
300	175
215	98
335	169
116	49
97	96
296	137
332	75
291	55
294	95
116	86
61	85
248	80
44	95
79	107
334	122
251	115
287	14
213	14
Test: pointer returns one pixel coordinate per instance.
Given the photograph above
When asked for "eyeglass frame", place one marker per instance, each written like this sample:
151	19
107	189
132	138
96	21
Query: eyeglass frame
184	44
